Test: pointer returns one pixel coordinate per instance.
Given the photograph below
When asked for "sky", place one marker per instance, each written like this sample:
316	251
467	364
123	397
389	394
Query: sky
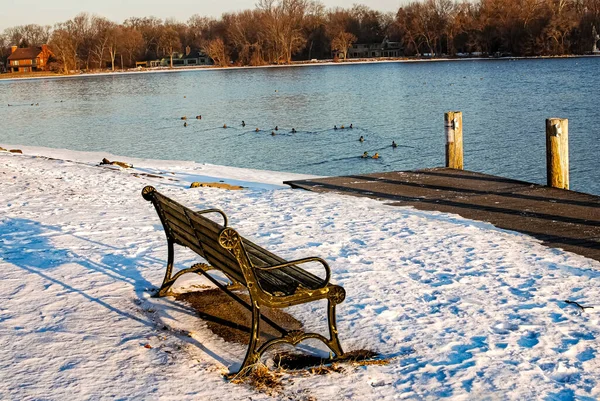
43	12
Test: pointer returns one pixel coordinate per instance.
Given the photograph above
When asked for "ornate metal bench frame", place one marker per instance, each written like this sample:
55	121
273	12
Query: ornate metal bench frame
232	242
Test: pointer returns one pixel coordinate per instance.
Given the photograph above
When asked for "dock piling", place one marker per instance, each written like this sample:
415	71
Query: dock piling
557	152
454	139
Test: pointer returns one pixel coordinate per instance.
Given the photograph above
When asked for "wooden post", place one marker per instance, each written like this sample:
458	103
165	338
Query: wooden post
557	152
454	139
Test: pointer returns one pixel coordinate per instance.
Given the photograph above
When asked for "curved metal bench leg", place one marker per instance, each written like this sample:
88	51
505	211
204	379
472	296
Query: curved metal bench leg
334	341
252	356
167	282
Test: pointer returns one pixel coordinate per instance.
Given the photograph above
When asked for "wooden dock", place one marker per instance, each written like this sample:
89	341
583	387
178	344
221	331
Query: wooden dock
560	218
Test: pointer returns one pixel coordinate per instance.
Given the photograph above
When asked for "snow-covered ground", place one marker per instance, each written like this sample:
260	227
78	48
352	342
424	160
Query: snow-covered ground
462	310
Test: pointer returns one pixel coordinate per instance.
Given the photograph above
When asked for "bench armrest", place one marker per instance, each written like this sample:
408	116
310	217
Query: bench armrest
222	213
300	261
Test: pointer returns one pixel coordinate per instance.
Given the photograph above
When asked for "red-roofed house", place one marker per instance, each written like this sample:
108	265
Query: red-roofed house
29	59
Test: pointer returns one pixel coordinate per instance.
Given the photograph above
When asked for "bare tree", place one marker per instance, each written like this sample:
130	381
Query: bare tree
132	43
246	37
283	27
215	49
169	41
31	35
338	26
114	42
64	47
342	42
100	30
4	49
198	27
151	29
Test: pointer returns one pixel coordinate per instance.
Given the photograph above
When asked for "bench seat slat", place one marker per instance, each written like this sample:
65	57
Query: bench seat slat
206	223
180	212
212	256
266	258
208	256
215	262
190	238
273	284
168	201
174	213
192	245
210	241
181	227
307	279
224	260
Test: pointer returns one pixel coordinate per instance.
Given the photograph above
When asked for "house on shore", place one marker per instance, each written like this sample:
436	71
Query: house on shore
28	59
188	59
375	50
371	50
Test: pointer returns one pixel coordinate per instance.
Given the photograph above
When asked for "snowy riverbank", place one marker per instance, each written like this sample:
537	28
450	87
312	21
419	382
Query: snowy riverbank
462	309
154	70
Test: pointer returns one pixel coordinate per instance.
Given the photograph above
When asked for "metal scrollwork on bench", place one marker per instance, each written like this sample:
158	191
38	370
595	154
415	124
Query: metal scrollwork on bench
337	295
147	191
229	238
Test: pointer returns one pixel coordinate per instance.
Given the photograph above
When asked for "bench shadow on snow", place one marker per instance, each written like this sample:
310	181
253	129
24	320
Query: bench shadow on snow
27	245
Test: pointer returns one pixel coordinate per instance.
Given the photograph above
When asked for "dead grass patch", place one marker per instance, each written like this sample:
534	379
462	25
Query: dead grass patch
261	378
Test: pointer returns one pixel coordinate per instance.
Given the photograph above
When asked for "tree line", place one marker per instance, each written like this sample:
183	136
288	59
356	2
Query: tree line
282	31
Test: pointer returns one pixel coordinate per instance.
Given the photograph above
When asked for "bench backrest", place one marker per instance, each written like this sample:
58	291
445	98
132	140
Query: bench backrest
196	232
202	235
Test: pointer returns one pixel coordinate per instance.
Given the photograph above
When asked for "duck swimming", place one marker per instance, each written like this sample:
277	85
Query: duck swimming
365	155
198	117
350	125
361	139
185	124
394	145
256	130
293	130
243	123
224	125
335	127
376	156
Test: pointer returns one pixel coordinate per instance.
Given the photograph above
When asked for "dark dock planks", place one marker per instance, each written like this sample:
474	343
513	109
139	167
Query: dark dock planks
560	218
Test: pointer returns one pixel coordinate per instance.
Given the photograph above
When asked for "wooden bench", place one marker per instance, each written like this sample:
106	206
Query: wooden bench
271	281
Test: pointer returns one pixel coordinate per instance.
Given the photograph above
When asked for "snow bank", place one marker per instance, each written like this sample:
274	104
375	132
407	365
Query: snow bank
462	309
185	172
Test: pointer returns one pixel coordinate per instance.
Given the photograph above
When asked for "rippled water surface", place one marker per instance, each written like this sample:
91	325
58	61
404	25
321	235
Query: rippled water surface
504	104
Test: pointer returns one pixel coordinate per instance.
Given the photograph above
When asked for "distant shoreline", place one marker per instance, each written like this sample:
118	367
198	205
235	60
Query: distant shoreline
11	77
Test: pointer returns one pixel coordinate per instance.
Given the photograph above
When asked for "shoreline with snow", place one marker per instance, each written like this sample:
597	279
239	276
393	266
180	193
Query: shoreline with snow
194	171
157	70
461	309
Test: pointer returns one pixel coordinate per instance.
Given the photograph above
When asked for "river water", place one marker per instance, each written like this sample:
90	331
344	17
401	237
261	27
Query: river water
504	104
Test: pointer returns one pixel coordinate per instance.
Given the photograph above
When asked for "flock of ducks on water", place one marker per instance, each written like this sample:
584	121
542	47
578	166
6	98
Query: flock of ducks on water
293	131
